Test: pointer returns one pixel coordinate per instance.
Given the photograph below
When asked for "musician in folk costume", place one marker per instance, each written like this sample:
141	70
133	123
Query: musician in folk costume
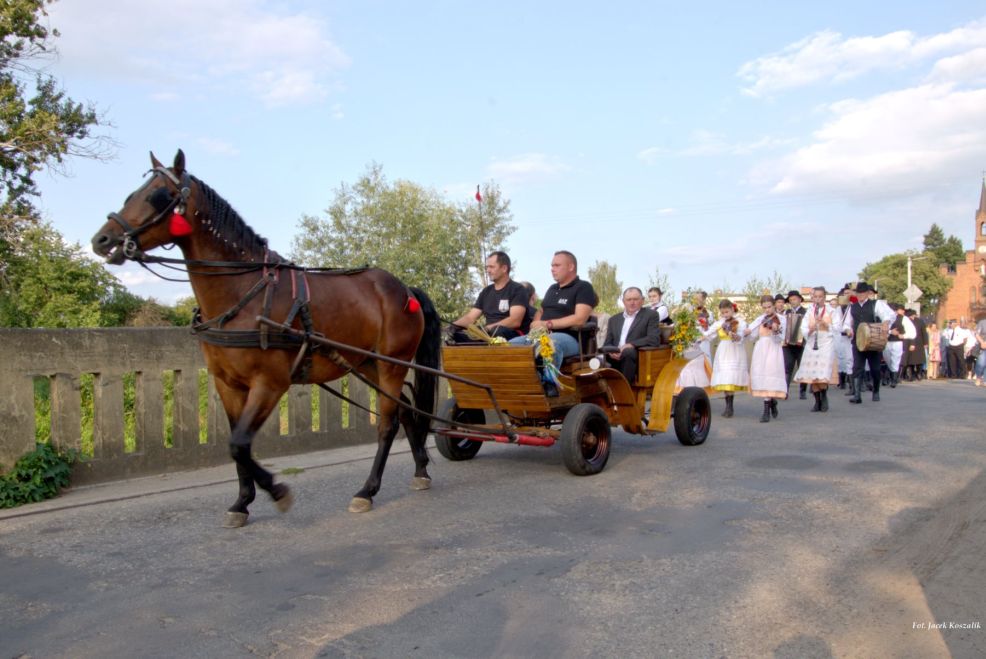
867	310
780	305
915	350
794	339
843	346
819	365
901	329
767	379
705	318
730	371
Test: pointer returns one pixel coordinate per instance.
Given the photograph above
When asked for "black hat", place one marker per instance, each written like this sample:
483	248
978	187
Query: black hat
863	287
791	294
780	297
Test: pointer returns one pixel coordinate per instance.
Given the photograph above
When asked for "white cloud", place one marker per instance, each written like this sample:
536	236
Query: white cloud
250	45
967	67
527	168
827	55
708	143
901	142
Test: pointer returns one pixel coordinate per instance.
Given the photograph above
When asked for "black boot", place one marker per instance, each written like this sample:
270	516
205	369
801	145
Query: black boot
728	412
852	386
825	399
817	407
894	379
766	412
802	391
842	380
773	407
857	396
876	389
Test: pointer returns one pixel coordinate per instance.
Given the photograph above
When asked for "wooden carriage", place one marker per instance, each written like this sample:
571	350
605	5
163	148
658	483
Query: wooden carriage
590	401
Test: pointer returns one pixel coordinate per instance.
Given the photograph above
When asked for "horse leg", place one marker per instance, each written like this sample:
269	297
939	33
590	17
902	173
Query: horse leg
416	438
247	411
383	376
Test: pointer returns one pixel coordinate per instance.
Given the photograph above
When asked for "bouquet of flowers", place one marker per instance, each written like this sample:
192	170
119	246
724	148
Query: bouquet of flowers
685	331
544	348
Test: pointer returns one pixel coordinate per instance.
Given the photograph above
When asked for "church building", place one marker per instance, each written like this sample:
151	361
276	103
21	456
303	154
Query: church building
966	301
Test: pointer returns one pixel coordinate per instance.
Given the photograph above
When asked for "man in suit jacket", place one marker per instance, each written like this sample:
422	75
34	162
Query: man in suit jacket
636	327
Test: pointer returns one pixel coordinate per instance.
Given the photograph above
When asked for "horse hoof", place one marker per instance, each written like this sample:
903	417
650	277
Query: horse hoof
360	505
420	483
235	520
285	501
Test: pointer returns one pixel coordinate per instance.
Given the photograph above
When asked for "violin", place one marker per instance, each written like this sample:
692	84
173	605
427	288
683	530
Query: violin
772	322
730	326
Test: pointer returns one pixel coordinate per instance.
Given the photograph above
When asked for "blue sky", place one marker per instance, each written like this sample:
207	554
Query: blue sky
713	141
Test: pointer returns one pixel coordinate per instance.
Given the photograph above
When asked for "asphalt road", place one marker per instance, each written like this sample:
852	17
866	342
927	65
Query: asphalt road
815	535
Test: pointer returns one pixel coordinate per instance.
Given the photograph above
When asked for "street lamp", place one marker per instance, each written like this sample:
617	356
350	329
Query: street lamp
909	292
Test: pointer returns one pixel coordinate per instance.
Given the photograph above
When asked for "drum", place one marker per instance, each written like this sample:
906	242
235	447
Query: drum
871	336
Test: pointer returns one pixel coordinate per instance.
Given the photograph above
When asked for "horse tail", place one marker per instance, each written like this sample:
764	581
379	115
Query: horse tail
428	354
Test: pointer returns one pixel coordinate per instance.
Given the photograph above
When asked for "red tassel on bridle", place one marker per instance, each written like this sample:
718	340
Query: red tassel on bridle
412	306
179	226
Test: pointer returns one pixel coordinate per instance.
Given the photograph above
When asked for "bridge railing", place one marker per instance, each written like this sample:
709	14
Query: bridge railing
137	402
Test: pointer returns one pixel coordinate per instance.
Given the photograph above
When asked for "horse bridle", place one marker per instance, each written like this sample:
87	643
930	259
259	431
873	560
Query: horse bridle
131	235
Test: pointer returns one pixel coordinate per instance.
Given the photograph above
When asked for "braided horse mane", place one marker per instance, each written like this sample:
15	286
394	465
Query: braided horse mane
226	225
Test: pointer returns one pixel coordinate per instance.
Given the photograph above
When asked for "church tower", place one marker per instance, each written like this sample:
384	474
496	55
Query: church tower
980	243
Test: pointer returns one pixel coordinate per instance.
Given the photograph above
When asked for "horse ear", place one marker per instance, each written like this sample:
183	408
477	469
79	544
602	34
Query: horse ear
179	167
155	163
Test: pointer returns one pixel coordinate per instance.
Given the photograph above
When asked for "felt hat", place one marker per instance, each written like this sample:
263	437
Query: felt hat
791	294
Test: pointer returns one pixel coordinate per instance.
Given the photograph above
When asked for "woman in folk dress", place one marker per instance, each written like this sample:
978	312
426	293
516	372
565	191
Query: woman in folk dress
819	365
730	370
767	379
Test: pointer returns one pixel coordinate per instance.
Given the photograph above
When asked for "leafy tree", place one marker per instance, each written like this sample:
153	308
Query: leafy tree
487	223
50	283
890	275
409	230
756	287
39	124
946	251
603	277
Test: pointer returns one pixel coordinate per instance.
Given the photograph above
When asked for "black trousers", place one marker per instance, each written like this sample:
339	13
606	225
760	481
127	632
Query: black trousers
627	363
956	361
792	359
860	360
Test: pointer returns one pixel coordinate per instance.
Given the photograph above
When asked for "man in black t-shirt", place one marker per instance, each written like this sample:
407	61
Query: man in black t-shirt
566	306
503	304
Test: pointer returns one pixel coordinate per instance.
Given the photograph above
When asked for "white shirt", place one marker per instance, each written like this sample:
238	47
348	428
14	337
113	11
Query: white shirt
958	336
627	322
661	309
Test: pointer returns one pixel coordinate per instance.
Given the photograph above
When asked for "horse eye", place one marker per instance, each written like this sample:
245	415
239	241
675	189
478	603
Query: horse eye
159	199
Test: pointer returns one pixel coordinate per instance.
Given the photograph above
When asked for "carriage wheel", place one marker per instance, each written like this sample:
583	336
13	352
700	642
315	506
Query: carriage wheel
457	448
692	416
585	439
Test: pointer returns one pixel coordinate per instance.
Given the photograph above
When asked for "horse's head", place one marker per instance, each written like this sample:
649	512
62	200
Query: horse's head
152	215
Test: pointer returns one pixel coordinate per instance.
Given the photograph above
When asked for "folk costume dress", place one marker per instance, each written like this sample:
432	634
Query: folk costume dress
843	344
818	361
697	373
730	369
767	378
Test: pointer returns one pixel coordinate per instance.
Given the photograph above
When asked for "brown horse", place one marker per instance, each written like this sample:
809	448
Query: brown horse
236	279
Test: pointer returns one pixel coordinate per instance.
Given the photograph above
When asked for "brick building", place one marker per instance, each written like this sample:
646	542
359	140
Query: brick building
966	300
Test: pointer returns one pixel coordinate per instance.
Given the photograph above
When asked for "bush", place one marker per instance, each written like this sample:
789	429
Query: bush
36	476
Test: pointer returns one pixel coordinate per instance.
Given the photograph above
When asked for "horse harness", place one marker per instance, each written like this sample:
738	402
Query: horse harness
213	332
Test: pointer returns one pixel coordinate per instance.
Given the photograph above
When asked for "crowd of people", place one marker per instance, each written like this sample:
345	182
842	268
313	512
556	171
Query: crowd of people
855	342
